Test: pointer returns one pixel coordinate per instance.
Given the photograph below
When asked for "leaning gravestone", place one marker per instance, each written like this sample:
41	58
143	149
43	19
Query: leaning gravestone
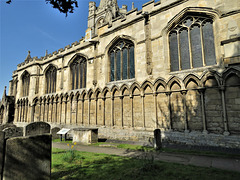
54	132
28	158
37	128
2	148
4	126
13	132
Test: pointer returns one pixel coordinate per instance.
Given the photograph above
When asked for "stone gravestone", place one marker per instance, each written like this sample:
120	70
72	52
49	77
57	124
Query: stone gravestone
2	148
13	132
28	158
157	139
54	132
37	128
4	126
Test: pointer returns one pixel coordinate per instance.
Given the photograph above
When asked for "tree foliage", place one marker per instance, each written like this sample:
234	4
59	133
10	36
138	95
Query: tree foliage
64	6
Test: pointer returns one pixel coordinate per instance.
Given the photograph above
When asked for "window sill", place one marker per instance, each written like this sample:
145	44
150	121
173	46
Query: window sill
200	69
120	82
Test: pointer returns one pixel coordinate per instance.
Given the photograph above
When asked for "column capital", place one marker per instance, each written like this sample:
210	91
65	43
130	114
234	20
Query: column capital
184	92
168	93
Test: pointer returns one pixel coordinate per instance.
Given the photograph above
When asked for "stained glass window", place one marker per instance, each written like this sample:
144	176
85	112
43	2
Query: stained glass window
122	64
78	69
191	43
51	75
25	83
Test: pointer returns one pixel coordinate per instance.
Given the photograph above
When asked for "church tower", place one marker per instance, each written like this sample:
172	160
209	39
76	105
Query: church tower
104	14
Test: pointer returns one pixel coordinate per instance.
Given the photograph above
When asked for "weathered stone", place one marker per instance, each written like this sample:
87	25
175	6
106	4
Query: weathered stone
13	132
28	158
85	135
37	128
54	132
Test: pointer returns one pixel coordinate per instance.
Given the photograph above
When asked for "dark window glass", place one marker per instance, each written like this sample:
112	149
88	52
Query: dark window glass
118	69
51	76
122	61
132	64
184	49
209	47
112	66
78	68
196	47
25	83
125	63
199	31
174	51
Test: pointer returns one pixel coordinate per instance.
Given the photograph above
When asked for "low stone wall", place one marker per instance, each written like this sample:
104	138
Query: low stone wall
28	158
199	139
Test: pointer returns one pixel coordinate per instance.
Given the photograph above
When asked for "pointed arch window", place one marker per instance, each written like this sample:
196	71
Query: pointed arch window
51	78
25	84
122	65
79	72
191	43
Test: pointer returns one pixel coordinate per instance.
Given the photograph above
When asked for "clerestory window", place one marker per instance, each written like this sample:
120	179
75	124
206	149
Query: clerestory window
79	72
25	83
191	43
51	78
122	64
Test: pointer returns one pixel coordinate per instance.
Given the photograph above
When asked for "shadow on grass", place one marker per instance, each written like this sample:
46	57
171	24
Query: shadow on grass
100	166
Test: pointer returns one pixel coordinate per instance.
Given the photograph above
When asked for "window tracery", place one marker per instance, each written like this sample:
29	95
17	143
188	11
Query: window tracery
191	43
122	64
51	78
25	83
78	72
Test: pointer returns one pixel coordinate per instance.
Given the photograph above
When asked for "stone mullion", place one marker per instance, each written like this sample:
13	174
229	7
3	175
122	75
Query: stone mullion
40	110
75	77
83	74
143	110
121	61
225	120
201	91
190	48
169	110
70	110
179	52
155	107
79	76
112	110
185	111
203	54
103	110
128	63
115	66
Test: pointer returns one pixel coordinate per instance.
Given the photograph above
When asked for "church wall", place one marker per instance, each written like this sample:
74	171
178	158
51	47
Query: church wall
199	100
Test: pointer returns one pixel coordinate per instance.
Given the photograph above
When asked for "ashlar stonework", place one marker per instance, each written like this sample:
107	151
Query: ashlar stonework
173	66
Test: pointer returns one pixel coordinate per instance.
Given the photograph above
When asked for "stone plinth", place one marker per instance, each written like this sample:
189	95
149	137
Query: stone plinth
85	135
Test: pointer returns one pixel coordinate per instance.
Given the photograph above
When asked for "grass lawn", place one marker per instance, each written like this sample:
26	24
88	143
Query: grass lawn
85	165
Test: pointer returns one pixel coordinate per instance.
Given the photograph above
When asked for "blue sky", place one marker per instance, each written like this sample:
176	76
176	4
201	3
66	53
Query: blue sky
34	25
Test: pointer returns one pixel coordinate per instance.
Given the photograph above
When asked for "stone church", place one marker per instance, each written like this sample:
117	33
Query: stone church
174	65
